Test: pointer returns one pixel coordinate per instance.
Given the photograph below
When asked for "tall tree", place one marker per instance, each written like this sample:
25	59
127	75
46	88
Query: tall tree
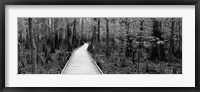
157	51
74	41
140	39
128	51
33	46
94	37
82	31
98	37
121	39
171	48
107	38
69	37
180	39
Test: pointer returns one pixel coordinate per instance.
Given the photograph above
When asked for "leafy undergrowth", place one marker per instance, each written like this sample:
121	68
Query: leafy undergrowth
116	65
53	65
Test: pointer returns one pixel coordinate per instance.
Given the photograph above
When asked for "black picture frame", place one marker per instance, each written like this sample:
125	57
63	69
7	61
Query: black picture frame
3	3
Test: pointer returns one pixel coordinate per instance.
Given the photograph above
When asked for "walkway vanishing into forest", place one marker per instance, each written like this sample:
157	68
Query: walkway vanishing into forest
81	62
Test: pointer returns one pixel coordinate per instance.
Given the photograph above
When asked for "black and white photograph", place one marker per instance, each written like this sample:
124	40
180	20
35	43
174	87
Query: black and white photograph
99	45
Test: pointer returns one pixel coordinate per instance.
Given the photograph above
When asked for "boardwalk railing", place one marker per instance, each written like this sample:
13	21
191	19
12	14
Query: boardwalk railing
69	59
94	63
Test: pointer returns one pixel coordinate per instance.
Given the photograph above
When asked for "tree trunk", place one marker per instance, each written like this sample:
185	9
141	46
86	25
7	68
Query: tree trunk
82	33
157	50
180	39
37	43
74	42
121	45
51	42
94	40
29	43
128	50
107	38
33	46
53	36
98	38
127	39
69	38
171	49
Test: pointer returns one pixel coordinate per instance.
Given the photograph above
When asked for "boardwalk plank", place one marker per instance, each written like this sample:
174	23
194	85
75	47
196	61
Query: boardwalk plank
81	63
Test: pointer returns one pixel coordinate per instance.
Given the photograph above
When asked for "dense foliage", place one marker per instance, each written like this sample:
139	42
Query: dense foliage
118	45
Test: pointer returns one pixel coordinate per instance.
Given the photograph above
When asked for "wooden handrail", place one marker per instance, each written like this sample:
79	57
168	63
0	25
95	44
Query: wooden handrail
94	62
70	59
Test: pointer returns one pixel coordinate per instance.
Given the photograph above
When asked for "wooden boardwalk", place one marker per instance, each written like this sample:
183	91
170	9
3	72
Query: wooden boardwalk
81	62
